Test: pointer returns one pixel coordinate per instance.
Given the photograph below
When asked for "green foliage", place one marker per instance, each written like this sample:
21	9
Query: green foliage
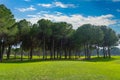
57	38
8	29
44	27
6	20
23	27
110	37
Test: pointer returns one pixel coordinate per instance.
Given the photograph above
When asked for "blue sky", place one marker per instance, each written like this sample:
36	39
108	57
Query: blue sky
76	12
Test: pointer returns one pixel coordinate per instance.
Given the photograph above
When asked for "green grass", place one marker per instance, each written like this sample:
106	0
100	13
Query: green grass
95	69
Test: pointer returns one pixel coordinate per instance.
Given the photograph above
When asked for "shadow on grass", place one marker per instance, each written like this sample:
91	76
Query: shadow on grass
36	60
25	60
100	59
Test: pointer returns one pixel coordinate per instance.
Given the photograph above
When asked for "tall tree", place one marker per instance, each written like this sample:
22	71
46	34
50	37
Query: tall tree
97	37
63	32
11	39
44	31
88	35
109	40
23	32
33	41
83	36
6	22
112	40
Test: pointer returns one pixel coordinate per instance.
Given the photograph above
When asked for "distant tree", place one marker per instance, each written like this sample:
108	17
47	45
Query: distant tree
112	39
44	31
97	37
88	35
23	32
64	31
11	39
109	40
33	41
83	36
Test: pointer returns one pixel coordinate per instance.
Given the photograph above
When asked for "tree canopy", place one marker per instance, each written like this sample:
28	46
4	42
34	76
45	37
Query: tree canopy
55	39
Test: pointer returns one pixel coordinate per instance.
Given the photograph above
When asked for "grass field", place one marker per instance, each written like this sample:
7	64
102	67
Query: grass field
95	69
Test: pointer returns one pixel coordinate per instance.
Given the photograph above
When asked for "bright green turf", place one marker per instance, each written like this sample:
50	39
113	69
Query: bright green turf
95	69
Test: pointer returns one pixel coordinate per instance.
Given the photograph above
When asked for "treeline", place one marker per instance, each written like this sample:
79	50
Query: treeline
54	39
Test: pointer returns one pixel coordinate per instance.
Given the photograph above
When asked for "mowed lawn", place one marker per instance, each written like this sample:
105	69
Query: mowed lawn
95	69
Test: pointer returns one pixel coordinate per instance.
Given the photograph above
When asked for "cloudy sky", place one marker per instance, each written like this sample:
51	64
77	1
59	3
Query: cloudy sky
76	12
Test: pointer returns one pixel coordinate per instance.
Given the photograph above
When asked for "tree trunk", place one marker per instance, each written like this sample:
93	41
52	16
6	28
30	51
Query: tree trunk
39	53
69	53
54	53
97	50
3	48
28	55
89	54
57	53
51	56
85	51
53	48
44	48
61	48
79	53
15	55
65	53
0	52
31	53
8	53
75	54
46	53
21	54
109	54
104	52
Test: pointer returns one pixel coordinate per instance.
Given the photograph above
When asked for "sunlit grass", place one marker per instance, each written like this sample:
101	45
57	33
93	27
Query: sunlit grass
94	69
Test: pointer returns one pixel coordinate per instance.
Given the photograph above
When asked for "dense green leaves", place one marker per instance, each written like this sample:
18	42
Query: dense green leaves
54	39
7	28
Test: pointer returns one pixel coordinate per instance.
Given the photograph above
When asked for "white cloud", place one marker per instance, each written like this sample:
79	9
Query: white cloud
116	0
57	4
118	10
31	8
45	5
58	13
76	19
60	4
